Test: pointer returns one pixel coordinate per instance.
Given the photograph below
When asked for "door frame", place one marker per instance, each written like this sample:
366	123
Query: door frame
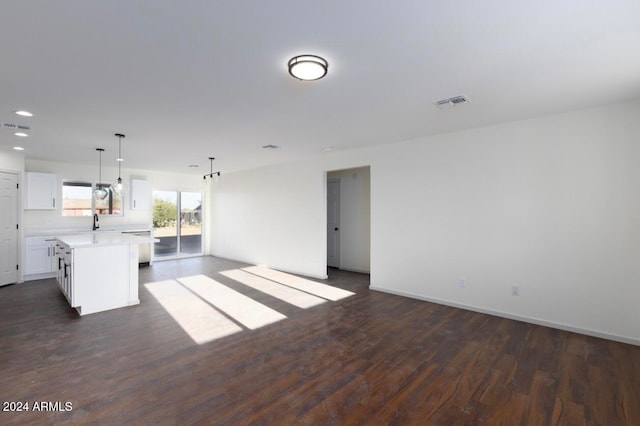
355	200
337	232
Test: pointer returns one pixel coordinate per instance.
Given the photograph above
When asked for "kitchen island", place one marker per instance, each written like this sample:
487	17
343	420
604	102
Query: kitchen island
99	271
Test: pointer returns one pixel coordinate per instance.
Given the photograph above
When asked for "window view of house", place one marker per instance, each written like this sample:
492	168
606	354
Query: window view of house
78	200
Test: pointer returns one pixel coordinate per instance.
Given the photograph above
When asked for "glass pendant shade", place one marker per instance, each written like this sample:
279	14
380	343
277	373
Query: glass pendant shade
100	193
118	187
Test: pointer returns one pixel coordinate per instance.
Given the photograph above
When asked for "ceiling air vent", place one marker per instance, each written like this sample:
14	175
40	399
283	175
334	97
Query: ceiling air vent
15	126
451	102
270	146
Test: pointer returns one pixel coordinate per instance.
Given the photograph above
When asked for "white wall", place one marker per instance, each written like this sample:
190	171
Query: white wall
11	160
355	239
262	216
550	205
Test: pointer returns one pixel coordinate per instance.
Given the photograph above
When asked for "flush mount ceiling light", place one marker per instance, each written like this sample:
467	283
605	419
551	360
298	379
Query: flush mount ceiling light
118	187
100	192
212	173
308	67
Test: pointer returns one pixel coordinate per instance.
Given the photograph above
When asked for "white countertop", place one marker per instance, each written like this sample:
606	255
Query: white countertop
29	232
99	239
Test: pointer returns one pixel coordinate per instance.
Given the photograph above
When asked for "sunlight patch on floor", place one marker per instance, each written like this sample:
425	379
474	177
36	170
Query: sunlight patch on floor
319	289
197	318
241	308
208	310
290	295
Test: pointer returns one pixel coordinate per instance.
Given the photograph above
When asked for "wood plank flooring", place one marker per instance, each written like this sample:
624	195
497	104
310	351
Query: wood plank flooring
370	359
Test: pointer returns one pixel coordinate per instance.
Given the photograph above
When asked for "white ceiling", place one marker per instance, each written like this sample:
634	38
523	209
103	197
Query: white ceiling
192	79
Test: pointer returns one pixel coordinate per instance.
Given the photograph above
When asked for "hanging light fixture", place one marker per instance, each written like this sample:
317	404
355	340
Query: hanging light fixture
211	173
119	188
100	193
308	67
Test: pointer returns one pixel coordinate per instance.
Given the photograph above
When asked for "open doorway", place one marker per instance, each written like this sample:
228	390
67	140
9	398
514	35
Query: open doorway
349	219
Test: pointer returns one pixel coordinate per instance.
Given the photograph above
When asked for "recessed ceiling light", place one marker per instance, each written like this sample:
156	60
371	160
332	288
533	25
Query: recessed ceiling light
21	134
24	113
327	148
308	67
193	165
18	148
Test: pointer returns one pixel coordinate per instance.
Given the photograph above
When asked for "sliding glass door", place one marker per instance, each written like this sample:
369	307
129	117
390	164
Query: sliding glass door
190	223
177	223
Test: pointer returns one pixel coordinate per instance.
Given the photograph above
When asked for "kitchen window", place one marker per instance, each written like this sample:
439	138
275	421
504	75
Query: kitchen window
77	200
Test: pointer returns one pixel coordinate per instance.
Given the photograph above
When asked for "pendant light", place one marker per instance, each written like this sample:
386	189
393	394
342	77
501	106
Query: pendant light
212	173
118	187
100	193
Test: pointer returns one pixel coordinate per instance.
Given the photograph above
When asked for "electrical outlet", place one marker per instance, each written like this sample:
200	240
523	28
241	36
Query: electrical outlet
461	283
515	290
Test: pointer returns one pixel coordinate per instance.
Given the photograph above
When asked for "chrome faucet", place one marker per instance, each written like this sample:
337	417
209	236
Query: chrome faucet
95	222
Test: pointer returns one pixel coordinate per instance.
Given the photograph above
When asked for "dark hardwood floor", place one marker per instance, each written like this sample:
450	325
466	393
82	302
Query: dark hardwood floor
370	359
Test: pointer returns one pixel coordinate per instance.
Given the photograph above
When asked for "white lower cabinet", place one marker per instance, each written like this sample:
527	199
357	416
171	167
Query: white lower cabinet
40	257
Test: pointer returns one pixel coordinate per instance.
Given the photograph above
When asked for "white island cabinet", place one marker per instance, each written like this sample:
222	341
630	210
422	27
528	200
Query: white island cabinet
98	272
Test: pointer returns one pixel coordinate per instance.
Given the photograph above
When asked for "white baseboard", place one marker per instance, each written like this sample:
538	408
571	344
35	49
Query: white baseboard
304	274
289	271
33	277
531	320
360	271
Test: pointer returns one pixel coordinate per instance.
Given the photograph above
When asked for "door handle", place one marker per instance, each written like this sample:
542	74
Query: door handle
335	229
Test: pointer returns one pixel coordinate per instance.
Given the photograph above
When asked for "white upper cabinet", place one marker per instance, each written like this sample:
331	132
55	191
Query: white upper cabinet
140	194
40	191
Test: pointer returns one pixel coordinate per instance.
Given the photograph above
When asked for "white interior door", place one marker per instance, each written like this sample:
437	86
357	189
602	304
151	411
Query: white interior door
333	223
8	228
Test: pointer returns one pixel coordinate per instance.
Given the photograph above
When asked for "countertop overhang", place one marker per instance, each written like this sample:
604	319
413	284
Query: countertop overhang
100	239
